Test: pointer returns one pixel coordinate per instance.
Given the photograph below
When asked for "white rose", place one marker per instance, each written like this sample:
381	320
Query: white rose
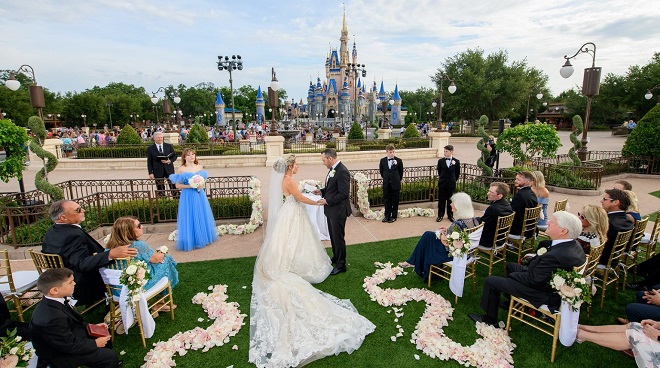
131	270
541	251
18	338
13	350
558	281
455	235
163	249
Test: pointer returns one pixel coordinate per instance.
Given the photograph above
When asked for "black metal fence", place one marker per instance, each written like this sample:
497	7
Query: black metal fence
24	216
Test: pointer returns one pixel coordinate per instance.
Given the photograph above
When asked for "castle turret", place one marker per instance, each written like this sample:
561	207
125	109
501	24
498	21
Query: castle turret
261	106
396	107
220	111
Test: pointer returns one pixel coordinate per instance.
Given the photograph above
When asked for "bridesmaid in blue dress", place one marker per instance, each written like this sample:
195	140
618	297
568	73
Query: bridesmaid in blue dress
195	223
128	230
542	197
429	249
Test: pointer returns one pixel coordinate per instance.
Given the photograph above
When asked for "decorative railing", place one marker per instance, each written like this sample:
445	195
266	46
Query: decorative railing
24	216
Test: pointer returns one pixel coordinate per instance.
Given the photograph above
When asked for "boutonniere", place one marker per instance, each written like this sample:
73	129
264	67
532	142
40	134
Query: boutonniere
452	162
394	162
331	174
541	251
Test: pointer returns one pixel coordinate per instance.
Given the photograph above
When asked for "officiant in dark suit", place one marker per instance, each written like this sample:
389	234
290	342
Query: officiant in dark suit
391	170
160	162
532	282
79	251
449	169
336	206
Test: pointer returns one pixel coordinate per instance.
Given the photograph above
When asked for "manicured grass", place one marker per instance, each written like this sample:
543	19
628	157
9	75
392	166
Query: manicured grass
533	348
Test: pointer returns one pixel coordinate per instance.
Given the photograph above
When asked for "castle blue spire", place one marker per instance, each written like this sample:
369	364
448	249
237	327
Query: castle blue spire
219	100
381	93
396	96
260	96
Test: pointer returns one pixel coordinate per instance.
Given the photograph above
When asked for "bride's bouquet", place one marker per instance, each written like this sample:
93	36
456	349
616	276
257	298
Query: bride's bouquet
309	185
571	287
459	242
197	182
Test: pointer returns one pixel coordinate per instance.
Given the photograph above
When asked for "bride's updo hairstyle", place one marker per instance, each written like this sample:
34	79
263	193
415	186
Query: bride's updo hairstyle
290	160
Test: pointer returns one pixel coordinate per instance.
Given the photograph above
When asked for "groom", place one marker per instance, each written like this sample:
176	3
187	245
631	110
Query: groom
337	207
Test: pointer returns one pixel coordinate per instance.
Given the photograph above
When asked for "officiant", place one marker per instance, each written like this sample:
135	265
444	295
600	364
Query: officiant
160	162
391	170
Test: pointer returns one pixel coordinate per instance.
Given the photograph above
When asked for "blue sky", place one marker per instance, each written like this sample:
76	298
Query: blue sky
76	44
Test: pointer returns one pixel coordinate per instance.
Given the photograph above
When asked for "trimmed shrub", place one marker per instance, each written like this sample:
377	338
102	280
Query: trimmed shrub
128	135
197	134
355	132
411	132
643	140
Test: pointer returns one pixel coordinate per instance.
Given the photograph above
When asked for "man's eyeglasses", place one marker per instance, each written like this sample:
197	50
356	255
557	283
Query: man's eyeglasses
607	199
581	216
79	210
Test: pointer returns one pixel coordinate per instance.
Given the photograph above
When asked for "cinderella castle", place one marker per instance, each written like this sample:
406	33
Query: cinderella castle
343	88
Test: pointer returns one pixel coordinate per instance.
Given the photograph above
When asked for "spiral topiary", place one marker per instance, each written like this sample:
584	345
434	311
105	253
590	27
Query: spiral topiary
38	129
481	145
577	123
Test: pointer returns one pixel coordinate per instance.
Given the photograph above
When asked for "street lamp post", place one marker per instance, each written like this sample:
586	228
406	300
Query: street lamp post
355	69
84	119
109	106
167	108
36	91
451	89
273	102
235	63
134	116
649	93
590	87
529	96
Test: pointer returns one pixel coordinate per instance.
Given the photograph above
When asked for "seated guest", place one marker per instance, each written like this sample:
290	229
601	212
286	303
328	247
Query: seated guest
127	231
22	328
532	282
642	338
429	249
633	210
647	306
594	227
498	207
616	203
79	251
522	200
59	334
542	197
622	185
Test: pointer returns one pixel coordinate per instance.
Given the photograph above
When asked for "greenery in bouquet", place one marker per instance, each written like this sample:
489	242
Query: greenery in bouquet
13	352
134	277
572	288
458	242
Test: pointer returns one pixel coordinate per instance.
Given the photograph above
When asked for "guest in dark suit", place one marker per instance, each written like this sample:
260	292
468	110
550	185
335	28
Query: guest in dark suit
79	251
336	206
616	203
160	169
499	206
523	199
449	169
532	282
59	333
391	170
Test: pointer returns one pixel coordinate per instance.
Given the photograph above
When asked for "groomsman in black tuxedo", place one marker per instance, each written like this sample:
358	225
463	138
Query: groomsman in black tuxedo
532	282
79	251
449	169
522	200
391	170
160	162
336	206
58	332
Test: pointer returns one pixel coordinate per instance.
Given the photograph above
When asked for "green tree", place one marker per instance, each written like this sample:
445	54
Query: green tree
525	141
355	132
128	135
197	134
13	139
643	140
411	132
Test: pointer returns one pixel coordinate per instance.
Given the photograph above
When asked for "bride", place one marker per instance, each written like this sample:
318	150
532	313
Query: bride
291	322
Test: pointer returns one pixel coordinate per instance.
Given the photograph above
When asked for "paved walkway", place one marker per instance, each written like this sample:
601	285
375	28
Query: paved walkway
358	229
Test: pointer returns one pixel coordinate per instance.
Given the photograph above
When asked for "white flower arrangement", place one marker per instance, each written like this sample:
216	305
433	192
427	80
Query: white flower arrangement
13	352
197	182
458	242
227	322
163	249
571	287
363	203
134	277
493	349
256	217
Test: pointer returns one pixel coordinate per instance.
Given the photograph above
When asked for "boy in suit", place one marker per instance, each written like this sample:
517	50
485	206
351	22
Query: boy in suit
59	334
449	169
391	170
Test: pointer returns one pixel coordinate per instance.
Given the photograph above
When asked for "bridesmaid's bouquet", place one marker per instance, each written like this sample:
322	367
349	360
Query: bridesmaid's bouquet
196	182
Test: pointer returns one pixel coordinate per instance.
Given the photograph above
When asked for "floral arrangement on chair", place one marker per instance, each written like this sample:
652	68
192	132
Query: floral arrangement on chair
13	352
134	277
196	182
572	288
458	242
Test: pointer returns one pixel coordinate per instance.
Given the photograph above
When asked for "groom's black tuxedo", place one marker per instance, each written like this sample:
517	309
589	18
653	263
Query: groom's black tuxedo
337	209
391	175
59	336
83	255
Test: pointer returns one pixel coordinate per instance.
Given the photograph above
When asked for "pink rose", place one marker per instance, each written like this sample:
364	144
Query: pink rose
141	273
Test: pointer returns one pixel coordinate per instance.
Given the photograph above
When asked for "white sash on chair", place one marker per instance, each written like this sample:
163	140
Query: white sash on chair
457	278
111	277
568	325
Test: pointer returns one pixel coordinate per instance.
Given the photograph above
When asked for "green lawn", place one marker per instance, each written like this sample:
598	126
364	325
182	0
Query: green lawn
533	348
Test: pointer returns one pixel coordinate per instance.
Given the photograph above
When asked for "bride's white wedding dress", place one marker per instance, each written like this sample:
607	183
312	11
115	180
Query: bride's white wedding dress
291	322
